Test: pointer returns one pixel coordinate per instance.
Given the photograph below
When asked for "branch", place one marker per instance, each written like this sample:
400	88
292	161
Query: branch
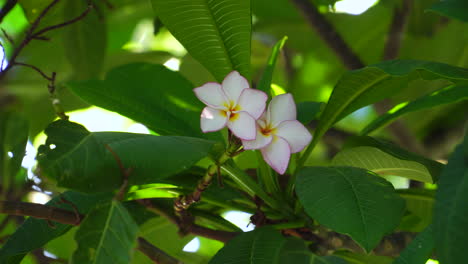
327	32
154	253
192	228
41	211
395	34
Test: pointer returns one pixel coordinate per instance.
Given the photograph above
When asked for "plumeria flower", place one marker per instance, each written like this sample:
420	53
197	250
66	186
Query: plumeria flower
231	103
279	133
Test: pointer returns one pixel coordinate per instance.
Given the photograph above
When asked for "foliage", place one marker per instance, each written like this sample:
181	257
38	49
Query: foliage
383	94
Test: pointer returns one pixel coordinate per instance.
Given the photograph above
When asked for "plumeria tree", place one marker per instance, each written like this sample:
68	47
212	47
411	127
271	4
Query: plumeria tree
342	136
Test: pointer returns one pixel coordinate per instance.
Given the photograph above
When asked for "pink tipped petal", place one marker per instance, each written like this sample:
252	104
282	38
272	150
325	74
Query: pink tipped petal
295	134
259	142
233	85
212	120
242	125
211	94
277	154
253	102
282	108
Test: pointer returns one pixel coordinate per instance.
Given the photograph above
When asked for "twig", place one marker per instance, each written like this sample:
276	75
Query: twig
328	34
71	21
7	8
49	78
124	172
40	211
154	253
8	37
190	228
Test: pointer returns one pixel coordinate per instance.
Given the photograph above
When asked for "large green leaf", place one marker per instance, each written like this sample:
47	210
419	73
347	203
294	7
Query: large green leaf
13	139
454	9
447	95
85	40
107	235
265	245
433	167
216	33
80	160
382	163
451	208
35	233
350	200
419	250
358	258
371	84
151	94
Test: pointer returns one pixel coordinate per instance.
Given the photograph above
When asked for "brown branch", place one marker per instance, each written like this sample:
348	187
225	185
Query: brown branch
395	34
50	79
41	211
66	23
327	32
186	228
154	253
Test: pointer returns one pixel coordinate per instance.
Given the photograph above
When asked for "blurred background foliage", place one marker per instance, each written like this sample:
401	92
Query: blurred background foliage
124	31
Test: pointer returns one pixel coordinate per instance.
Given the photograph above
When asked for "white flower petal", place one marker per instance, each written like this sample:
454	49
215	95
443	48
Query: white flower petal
242	125
212	119
253	102
295	134
259	142
233	85
211	94
277	154
281	108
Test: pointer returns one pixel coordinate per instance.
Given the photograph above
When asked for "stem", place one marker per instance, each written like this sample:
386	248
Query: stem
154	253
41	211
268	179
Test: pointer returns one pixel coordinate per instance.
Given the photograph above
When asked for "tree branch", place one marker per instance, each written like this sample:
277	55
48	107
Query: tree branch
395	34
154	253
328	34
186	228
41	211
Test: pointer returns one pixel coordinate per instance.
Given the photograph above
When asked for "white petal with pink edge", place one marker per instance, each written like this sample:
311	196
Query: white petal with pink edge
281	108
242	126
259	142
295	133
253	102
233	85
212	119
277	154
211	94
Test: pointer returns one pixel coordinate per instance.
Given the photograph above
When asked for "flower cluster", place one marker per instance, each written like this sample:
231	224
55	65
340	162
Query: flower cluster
276	132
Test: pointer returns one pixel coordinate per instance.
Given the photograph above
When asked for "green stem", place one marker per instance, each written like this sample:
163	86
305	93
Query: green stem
266	177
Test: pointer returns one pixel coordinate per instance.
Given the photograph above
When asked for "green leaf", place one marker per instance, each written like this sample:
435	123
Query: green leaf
80	160
419	250
356	258
382	163
433	167
447	95
371	84
148	93
265	80
420	203
85	40
265	245
216	33
451	208
350	200
308	111
35	233
454	9
107	235
13	139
